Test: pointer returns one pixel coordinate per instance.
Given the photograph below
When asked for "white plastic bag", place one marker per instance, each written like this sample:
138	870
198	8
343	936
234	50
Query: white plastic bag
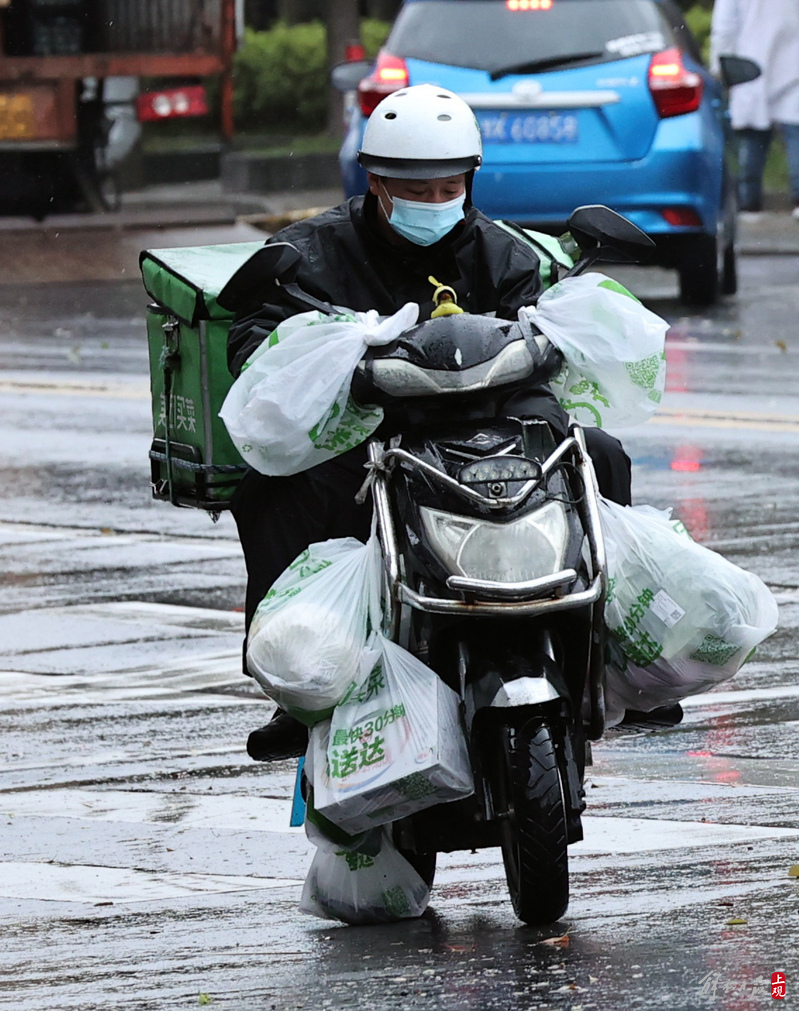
307	637
359	889
614	369
320	830
394	746
685	618
290	408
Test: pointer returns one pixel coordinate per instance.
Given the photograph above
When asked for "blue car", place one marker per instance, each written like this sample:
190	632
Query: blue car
579	102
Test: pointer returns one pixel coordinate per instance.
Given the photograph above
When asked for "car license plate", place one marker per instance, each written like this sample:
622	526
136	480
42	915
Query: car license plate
529	128
16	116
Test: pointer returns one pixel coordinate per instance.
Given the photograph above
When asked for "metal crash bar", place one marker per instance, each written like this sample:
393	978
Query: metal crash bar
521	604
468	493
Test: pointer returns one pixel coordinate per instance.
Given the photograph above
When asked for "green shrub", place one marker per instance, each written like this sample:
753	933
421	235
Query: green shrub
281	76
698	20
373	35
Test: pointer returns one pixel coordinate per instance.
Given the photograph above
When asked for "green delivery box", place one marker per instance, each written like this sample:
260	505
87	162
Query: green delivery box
193	462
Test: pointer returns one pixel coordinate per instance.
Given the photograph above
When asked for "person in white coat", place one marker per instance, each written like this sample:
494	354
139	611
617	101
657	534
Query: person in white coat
766	31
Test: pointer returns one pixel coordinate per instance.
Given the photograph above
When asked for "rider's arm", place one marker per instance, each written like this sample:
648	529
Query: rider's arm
513	268
249	330
522	291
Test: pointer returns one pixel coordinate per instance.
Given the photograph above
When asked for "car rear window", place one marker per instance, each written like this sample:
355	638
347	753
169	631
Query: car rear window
495	35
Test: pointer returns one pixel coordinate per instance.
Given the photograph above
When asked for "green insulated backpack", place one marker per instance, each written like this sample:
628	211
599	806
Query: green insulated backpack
192	460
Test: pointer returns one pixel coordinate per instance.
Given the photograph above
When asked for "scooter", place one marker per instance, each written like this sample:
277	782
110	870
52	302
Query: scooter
495	576
494	567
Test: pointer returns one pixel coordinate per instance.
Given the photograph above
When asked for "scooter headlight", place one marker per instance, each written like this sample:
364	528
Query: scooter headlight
515	552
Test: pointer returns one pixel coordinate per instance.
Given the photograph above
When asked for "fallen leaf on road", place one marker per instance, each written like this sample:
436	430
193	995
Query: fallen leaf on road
781	345
793	872
736	923
558	942
204	998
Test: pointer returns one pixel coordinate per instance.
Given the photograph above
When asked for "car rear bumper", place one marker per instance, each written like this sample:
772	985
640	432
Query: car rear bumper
684	168
546	194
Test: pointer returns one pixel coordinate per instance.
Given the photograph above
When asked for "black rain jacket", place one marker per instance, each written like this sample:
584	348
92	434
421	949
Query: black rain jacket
346	262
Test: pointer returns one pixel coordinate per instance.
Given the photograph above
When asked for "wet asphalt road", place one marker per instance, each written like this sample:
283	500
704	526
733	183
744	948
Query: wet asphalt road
146	863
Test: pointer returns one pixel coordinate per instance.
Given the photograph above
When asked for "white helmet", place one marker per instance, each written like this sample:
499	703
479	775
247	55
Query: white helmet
423	132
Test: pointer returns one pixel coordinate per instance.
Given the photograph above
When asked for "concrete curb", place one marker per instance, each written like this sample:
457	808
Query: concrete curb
245	172
773	233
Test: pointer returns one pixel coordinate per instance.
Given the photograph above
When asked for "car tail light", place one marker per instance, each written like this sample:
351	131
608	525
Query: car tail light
171	103
675	89
529	5
390	74
685	217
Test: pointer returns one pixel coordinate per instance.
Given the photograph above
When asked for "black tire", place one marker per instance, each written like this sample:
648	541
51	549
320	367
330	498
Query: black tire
423	863
700	271
528	794
729	273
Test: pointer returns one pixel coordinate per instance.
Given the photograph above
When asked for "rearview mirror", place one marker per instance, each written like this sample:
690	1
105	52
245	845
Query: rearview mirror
276	261
738	70
615	239
347	76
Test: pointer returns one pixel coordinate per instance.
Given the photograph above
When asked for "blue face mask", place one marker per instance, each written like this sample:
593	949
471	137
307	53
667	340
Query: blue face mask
423	223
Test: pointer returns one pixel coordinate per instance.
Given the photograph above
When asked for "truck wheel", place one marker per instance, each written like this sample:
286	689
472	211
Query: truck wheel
530	806
700	271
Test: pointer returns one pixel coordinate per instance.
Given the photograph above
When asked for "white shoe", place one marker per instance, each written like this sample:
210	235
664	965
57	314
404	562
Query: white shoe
750	216
795	213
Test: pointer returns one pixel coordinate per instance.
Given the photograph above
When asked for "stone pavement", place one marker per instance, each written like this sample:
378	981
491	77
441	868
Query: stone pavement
176	205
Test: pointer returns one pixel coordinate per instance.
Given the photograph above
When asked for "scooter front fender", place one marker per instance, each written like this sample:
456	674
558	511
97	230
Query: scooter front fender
524	691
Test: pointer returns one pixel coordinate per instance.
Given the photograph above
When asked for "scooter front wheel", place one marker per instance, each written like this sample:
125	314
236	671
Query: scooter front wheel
530	806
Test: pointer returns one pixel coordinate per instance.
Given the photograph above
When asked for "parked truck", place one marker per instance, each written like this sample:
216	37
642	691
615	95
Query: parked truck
70	91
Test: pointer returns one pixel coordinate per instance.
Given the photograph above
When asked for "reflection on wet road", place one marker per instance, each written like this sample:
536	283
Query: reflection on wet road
144	861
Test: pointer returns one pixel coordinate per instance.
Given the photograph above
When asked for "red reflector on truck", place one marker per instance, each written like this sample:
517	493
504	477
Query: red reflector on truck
171	103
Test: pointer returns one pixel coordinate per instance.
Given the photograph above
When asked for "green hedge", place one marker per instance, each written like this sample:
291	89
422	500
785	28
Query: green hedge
698	19
281	76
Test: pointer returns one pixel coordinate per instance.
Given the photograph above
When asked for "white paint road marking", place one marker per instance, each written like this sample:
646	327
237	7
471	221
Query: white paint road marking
693	417
86	883
735	698
711	417
640	835
178	812
135	389
604	836
173	810
186	681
